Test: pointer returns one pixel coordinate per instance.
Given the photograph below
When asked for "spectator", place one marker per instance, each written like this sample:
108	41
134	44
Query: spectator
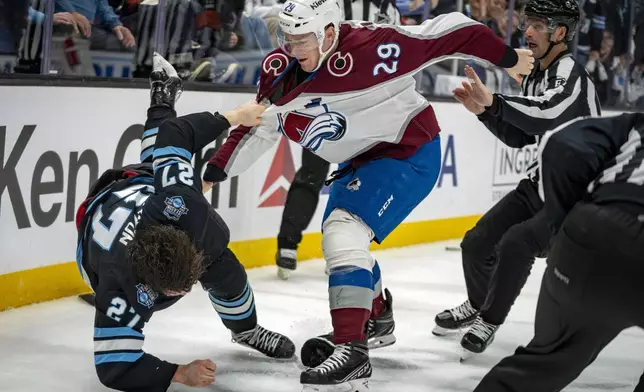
591	30
30	48
255	35
602	70
13	20
89	10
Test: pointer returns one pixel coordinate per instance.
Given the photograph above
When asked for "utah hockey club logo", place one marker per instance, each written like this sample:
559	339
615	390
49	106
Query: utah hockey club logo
145	295
175	207
279	178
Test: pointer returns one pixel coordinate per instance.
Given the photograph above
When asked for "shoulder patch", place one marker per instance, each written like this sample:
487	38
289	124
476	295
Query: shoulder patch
274	64
145	295
175	208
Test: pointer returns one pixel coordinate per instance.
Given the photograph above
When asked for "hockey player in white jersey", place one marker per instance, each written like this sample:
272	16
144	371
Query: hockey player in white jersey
345	91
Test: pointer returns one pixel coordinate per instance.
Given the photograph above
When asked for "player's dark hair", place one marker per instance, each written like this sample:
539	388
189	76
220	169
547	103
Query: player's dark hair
164	258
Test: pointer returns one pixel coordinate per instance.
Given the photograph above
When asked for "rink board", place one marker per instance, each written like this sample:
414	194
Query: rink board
53	152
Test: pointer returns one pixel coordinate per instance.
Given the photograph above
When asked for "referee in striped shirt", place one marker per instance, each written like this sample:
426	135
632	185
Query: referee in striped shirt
592	288
499	251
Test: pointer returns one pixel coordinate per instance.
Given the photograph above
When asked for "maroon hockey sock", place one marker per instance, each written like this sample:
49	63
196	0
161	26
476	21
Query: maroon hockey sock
349	324
378	306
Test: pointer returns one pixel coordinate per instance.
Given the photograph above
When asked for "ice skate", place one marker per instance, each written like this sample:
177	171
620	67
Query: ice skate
455	319
166	86
478	338
269	343
286	260
347	369
380	333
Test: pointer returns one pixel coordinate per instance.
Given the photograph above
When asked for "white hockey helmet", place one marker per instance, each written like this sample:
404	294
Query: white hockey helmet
309	16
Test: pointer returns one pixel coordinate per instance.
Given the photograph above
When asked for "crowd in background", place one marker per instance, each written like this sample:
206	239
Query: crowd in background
210	40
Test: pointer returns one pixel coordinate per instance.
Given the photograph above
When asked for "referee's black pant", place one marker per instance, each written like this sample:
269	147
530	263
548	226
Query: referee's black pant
498	253
302	200
591	291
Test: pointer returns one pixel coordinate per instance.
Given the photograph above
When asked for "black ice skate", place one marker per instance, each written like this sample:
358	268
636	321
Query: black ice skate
269	343
286	260
453	320
478	338
166	86
380	333
347	369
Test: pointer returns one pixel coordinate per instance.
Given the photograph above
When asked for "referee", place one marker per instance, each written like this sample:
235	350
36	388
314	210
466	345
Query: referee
592	288
499	251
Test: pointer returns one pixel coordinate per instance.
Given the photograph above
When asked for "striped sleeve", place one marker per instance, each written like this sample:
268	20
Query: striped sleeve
119	358
569	94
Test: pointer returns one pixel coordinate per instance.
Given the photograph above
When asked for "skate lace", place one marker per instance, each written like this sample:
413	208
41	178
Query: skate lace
463	311
371	327
260	338
336	360
482	330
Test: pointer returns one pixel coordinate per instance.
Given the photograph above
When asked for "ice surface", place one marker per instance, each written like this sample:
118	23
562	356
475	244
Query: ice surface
48	347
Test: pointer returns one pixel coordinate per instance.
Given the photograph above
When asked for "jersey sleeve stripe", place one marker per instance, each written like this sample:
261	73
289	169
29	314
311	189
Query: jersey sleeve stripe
117	357
116	332
178	152
117	345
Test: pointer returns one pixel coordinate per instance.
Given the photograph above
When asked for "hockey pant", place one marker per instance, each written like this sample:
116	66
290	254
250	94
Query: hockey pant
591	291
302	200
499	251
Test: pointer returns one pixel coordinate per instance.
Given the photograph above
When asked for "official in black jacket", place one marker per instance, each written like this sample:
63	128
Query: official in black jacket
499	251
592	288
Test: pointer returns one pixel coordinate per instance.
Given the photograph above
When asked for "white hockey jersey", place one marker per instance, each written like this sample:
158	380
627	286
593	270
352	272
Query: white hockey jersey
362	103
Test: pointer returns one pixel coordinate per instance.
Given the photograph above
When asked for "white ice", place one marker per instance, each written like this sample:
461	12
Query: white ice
48	347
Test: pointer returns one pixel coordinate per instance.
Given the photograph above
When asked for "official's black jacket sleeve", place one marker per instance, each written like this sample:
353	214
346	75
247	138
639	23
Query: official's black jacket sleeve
567	96
574	155
505	132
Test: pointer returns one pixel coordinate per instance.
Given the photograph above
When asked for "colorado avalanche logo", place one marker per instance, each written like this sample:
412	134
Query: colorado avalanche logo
275	64
310	131
340	65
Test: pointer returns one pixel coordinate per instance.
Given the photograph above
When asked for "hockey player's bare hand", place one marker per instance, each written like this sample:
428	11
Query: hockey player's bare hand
476	89
524	65
466	100
248	114
199	373
206	186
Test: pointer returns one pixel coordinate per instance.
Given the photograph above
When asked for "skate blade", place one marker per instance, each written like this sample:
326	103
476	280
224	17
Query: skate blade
360	385
466	354
381	342
440	331
283	273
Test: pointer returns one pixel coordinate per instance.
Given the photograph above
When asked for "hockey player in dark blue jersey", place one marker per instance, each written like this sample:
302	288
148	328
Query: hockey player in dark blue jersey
147	235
